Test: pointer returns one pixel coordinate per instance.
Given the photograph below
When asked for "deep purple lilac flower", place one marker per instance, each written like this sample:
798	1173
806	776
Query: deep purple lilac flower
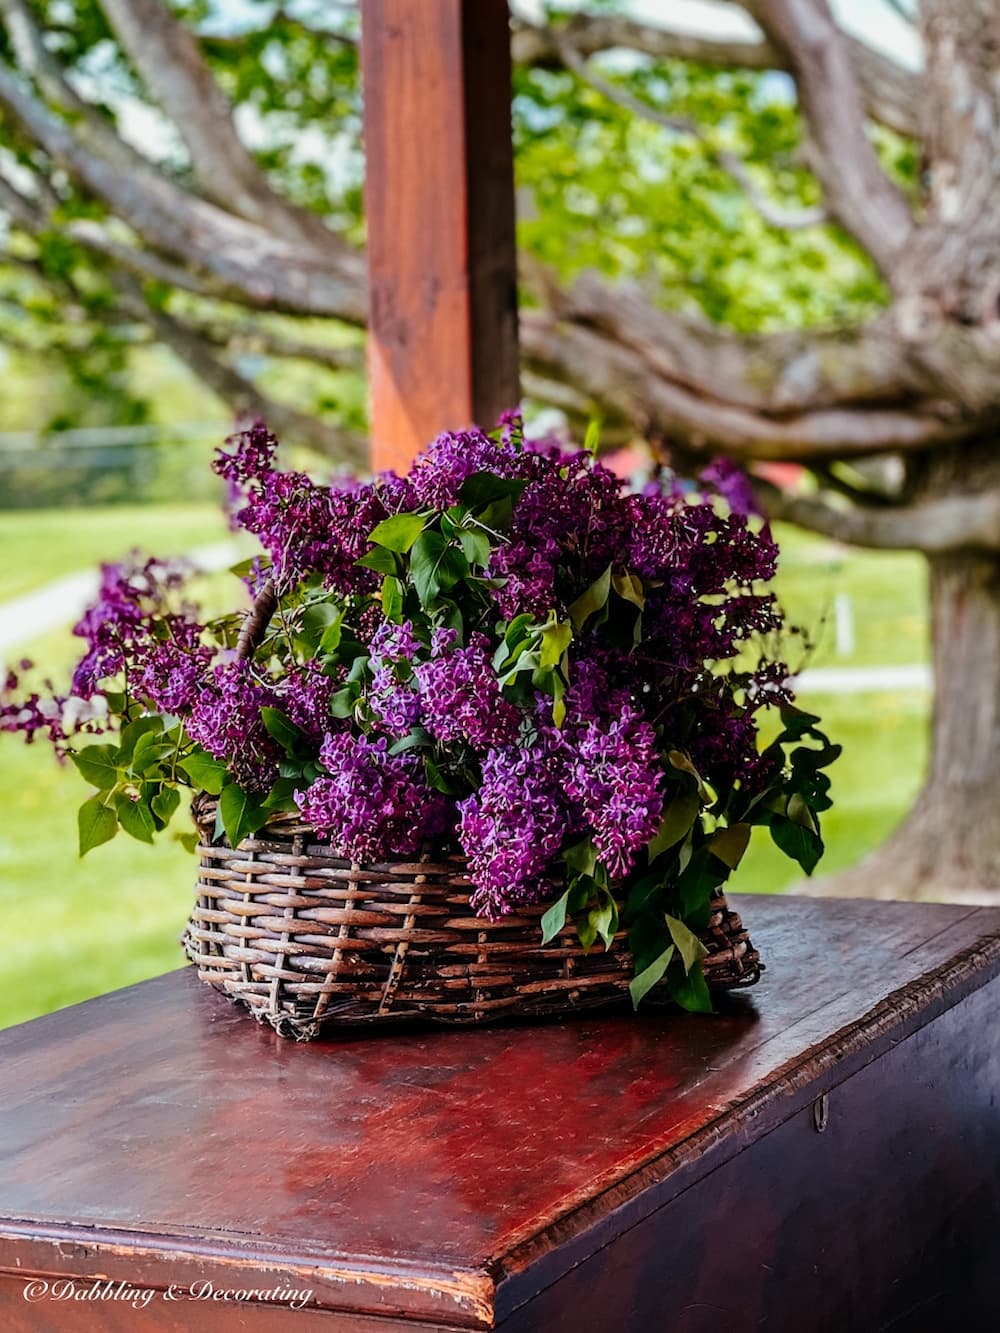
225	720
616	779
372	804
460	694
513	827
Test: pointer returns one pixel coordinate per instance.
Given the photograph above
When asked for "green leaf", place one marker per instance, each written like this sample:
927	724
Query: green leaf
207	774
382	560
806	759
342	701
283	730
799	813
556	638
321	627
392	599
801	844
629	587
244	567
418	736
797	723
130	734
486	488
476	546
690	990
678	817
679	760
164	804
594	599
437	779
644	981
150	751
96	822
729	844
99	765
399	532
282	794
554	919
689	946
592	439
581	857
242	813
435	566
189	841
135	817
604	919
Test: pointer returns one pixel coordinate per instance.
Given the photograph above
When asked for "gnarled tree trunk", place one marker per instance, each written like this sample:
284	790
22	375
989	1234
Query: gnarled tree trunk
948	846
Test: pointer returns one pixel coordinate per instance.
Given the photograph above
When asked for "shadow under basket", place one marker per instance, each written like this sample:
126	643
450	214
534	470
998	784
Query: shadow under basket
310	941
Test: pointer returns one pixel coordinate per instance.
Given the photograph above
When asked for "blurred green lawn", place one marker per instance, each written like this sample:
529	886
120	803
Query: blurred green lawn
39	545
75	929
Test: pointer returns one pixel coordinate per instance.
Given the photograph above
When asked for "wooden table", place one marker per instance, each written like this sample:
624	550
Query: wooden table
825	1155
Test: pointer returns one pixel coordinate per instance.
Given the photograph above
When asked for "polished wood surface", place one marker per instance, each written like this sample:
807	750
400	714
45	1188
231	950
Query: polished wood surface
439	204
465	1179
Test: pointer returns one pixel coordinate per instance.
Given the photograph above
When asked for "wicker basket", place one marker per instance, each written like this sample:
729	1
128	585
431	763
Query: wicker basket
307	940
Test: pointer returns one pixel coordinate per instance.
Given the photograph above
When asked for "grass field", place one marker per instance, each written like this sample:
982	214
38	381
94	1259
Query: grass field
38	546
75	929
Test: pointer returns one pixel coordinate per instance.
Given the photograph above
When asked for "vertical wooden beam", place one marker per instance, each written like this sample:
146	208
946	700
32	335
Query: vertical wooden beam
440	216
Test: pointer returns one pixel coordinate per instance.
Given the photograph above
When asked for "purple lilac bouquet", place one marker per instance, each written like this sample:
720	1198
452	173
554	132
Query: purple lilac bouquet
504	653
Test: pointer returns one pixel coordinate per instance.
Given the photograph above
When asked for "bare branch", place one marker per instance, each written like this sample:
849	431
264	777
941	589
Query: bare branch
271	272
615	374
891	93
952	523
341	444
858	192
773	214
40	65
168	59
777	374
258	339
18	206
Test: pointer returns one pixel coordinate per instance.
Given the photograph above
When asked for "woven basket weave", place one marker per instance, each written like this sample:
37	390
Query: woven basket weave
307	940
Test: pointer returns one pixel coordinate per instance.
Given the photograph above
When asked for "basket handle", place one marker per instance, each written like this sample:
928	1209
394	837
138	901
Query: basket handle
257	620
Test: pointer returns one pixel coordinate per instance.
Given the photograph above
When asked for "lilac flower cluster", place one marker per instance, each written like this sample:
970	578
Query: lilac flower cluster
305	528
600	774
460	695
226	721
372	803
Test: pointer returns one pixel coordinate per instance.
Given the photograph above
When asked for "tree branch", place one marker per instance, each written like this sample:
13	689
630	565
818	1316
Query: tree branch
891	93
241	257
858	192
774	215
167	58
616	375
256	338
35	59
338	443
777	374
967	522
19	207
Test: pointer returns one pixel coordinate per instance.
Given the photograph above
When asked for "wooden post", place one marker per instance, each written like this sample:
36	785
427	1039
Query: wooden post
440	216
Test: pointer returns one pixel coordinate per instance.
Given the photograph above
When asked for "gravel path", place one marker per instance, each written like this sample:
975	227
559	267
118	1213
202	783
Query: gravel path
60	603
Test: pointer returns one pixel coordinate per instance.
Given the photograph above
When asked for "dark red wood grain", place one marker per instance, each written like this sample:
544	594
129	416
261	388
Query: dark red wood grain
453	1177
439	202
